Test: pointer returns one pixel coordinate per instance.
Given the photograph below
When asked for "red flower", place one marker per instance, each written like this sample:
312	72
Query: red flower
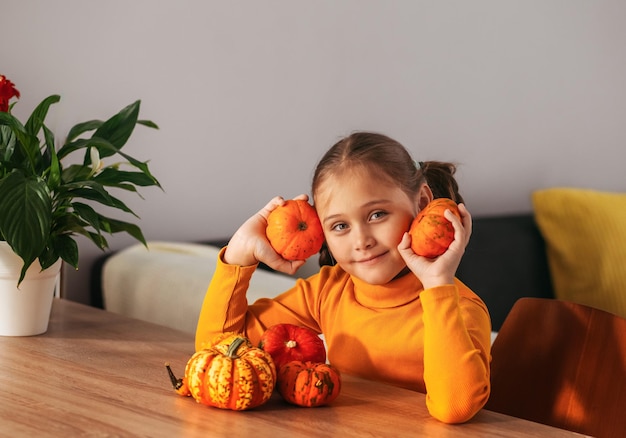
7	91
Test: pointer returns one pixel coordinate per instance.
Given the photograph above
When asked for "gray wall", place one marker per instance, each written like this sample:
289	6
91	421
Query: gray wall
523	95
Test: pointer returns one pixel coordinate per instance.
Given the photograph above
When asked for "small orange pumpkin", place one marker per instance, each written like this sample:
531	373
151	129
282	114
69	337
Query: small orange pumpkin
294	230
229	375
431	233
287	342
309	384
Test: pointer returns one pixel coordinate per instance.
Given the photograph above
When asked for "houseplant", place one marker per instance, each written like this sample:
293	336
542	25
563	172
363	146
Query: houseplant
49	194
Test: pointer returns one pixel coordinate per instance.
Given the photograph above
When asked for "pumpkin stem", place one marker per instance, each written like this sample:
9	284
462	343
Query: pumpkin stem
291	343
176	383
234	346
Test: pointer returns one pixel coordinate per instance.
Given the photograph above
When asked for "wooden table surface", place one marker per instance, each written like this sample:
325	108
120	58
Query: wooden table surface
95	373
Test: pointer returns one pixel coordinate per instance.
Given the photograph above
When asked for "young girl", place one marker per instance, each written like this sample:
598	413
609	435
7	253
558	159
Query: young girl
386	313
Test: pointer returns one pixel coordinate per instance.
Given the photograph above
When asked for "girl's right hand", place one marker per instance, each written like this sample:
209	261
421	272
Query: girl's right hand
249	244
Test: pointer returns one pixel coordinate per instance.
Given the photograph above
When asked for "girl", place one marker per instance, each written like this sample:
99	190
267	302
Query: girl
386	313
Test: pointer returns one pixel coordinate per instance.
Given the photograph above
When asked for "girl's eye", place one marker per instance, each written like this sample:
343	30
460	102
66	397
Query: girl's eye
378	215
339	227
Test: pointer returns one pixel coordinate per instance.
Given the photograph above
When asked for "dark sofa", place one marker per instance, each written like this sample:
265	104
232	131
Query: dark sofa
504	261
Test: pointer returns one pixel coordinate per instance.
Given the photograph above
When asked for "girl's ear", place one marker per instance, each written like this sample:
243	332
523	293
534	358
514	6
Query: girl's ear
424	196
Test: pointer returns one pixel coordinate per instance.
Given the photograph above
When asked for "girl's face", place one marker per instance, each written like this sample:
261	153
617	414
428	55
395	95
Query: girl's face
364	218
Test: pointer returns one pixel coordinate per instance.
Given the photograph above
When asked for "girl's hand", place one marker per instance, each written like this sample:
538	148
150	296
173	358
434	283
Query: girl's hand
440	270
249	244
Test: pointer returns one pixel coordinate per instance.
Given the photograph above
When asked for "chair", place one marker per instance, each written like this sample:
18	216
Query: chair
562	364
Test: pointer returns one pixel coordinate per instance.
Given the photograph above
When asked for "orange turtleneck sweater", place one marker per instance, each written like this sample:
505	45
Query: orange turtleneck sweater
436	341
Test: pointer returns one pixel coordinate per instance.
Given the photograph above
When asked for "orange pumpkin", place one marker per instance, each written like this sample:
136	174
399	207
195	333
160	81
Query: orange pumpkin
294	230
229	375
287	342
179	384
309	384
431	233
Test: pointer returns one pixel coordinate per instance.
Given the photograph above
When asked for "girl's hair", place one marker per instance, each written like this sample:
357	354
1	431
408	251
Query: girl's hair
385	156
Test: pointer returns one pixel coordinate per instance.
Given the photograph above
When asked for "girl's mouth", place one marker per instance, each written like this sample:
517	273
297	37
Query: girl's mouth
370	259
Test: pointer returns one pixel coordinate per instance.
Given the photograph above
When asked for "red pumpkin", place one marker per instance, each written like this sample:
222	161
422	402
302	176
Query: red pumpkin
229	375
431	233
294	230
288	342
309	384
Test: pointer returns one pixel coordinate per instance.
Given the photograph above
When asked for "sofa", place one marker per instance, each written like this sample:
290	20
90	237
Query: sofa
572	246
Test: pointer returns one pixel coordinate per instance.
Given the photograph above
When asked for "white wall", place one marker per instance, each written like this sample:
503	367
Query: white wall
249	94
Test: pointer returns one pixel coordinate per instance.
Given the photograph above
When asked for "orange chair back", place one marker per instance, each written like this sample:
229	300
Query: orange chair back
562	364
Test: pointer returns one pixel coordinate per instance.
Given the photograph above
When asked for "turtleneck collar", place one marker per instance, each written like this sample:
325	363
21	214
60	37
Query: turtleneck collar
397	292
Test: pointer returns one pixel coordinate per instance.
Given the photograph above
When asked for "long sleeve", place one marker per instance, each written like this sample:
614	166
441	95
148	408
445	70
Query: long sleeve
225	306
456	354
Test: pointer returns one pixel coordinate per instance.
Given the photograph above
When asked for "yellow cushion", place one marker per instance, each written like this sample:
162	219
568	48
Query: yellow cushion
585	234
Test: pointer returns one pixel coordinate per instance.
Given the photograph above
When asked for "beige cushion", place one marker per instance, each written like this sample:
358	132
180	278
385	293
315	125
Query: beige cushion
585	234
166	283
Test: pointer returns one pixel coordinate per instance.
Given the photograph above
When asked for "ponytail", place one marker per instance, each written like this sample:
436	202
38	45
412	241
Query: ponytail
440	178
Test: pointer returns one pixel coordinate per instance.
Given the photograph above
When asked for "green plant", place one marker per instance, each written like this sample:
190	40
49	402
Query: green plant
45	203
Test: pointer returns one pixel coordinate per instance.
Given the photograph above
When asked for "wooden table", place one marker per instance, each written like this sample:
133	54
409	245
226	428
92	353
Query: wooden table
95	373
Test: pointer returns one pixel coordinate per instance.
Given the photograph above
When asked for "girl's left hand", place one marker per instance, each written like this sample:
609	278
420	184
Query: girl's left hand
440	270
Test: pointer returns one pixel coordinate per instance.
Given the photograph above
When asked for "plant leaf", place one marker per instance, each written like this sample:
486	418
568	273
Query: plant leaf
26	216
27	144
148	123
67	222
118	129
102	145
113	226
96	238
66	248
100	196
81	128
7	144
112	177
36	119
88	214
80	188
141	166
54	177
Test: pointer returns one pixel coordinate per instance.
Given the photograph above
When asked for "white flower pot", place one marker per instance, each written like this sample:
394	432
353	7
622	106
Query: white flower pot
25	311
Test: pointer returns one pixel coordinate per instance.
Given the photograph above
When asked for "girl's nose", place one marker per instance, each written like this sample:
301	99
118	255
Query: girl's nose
363	239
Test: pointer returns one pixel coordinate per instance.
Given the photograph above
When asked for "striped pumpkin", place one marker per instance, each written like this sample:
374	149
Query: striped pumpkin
230	375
